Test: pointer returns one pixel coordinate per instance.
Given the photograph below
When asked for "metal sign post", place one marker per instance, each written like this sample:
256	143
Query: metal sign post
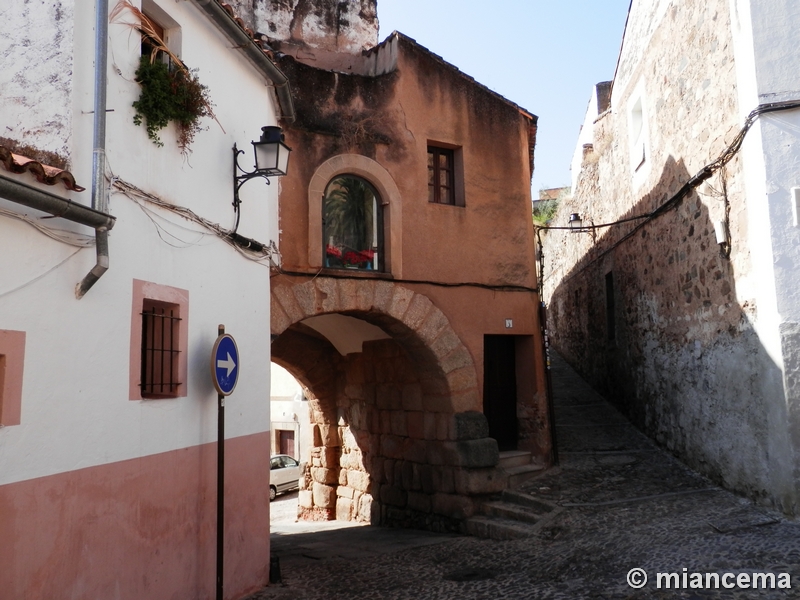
225	374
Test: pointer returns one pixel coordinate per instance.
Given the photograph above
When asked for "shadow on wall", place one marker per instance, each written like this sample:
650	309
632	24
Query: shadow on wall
649	317
388	447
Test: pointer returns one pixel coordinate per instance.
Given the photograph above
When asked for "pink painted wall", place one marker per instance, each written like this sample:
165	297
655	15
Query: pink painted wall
138	529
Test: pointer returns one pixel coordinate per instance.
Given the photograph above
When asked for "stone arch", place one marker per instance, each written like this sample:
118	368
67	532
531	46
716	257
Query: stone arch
383	182
399	434
409	317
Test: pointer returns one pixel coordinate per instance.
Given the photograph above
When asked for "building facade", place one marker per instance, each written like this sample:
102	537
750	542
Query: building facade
684	308
406	301
108	441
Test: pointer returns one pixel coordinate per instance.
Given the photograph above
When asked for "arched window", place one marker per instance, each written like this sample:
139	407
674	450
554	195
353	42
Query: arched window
352	225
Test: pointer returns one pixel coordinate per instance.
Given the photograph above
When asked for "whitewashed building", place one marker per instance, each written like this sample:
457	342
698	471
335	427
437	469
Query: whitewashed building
108	458
681	299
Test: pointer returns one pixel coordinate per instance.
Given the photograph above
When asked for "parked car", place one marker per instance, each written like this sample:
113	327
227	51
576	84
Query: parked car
284	475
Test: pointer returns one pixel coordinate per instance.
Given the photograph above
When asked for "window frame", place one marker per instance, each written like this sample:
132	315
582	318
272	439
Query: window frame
12	366
144	294
434	175
378	221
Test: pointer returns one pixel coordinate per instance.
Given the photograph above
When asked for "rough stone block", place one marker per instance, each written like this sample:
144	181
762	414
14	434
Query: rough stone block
457	359
416	483
479	481
443	426
401	298
345	492
327	294
392	446
329	457
388	468
324	495
412	396
462	379
408	475
342	477
443	480
469	400
305	499
478	453
344	509
306	296
364	295
415	424
470	425
419	502
365	509
453	506
445	343
418	309
393	496
289	303
426	479
358	480
467	453
329	435
416	450
433	325
430	425
322	475
382	295
279	321
398	423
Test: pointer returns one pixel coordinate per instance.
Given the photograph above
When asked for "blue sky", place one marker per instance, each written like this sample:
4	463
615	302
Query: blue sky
545	55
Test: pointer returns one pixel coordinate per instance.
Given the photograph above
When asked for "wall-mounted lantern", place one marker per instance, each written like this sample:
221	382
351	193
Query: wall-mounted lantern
575	223
271	156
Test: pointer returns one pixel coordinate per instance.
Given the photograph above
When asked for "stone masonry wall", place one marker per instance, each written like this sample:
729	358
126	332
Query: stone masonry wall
380	457
677	351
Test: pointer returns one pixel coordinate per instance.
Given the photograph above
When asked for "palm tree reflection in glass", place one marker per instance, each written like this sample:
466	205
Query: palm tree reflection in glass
350	220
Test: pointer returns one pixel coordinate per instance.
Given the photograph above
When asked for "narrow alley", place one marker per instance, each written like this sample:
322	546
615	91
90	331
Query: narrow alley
617	502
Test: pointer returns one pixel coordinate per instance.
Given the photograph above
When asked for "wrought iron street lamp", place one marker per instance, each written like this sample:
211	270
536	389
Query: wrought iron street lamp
271	156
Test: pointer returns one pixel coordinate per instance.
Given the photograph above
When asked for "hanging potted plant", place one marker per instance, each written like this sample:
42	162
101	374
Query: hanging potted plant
170	91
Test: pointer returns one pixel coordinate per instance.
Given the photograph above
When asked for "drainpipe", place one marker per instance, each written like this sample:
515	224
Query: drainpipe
253	51
99	196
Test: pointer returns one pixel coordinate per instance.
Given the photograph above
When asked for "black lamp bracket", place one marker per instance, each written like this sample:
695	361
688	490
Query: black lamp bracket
240	180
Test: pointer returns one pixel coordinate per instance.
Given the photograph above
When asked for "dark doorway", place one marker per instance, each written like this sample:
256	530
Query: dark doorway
500	389
286	442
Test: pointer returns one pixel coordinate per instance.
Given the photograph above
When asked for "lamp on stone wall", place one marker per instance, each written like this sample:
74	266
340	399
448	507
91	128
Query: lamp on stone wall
271	156
575	223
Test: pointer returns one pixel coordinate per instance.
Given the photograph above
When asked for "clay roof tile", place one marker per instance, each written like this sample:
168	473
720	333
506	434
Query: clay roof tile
16	163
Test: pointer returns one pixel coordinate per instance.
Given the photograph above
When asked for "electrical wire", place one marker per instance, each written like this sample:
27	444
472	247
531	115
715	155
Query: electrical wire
64	236
35	279
702	175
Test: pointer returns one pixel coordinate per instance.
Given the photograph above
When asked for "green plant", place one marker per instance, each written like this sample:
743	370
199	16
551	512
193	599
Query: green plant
544	211
170	94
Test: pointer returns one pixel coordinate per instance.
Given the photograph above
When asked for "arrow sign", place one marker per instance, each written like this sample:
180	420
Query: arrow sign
225	364
228	364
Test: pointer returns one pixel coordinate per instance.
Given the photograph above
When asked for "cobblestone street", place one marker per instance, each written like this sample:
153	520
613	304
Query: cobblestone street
624	504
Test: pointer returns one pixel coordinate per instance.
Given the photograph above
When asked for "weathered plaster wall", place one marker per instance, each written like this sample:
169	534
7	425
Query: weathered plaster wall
390	119
36	51
687	362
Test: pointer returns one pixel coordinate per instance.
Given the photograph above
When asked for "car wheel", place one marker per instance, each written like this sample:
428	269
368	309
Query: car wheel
272	493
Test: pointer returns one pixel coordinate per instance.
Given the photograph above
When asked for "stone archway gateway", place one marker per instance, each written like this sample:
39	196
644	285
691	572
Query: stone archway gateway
398	436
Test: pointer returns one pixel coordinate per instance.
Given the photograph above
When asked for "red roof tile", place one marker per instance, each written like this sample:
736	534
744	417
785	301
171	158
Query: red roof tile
16	163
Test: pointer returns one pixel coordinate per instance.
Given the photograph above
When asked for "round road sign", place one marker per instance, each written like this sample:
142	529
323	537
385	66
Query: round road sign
225	364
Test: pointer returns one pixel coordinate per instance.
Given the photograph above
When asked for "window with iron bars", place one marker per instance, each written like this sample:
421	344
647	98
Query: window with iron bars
160	349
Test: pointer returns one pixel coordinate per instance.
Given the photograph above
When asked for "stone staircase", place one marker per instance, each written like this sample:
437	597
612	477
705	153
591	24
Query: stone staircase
511	515
519	466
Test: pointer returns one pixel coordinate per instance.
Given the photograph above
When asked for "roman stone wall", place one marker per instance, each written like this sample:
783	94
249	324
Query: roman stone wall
677	346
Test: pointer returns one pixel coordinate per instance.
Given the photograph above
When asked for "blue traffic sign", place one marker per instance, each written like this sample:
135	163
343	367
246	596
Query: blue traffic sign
225	364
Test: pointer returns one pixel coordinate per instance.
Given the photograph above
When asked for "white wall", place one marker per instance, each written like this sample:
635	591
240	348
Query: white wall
75	407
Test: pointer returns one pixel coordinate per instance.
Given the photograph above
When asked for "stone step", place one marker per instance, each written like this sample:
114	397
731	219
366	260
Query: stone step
514	458
506	510
526	500
496	529
518	475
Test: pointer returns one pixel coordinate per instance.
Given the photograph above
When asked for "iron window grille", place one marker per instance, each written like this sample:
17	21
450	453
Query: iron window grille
160	350
441	175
